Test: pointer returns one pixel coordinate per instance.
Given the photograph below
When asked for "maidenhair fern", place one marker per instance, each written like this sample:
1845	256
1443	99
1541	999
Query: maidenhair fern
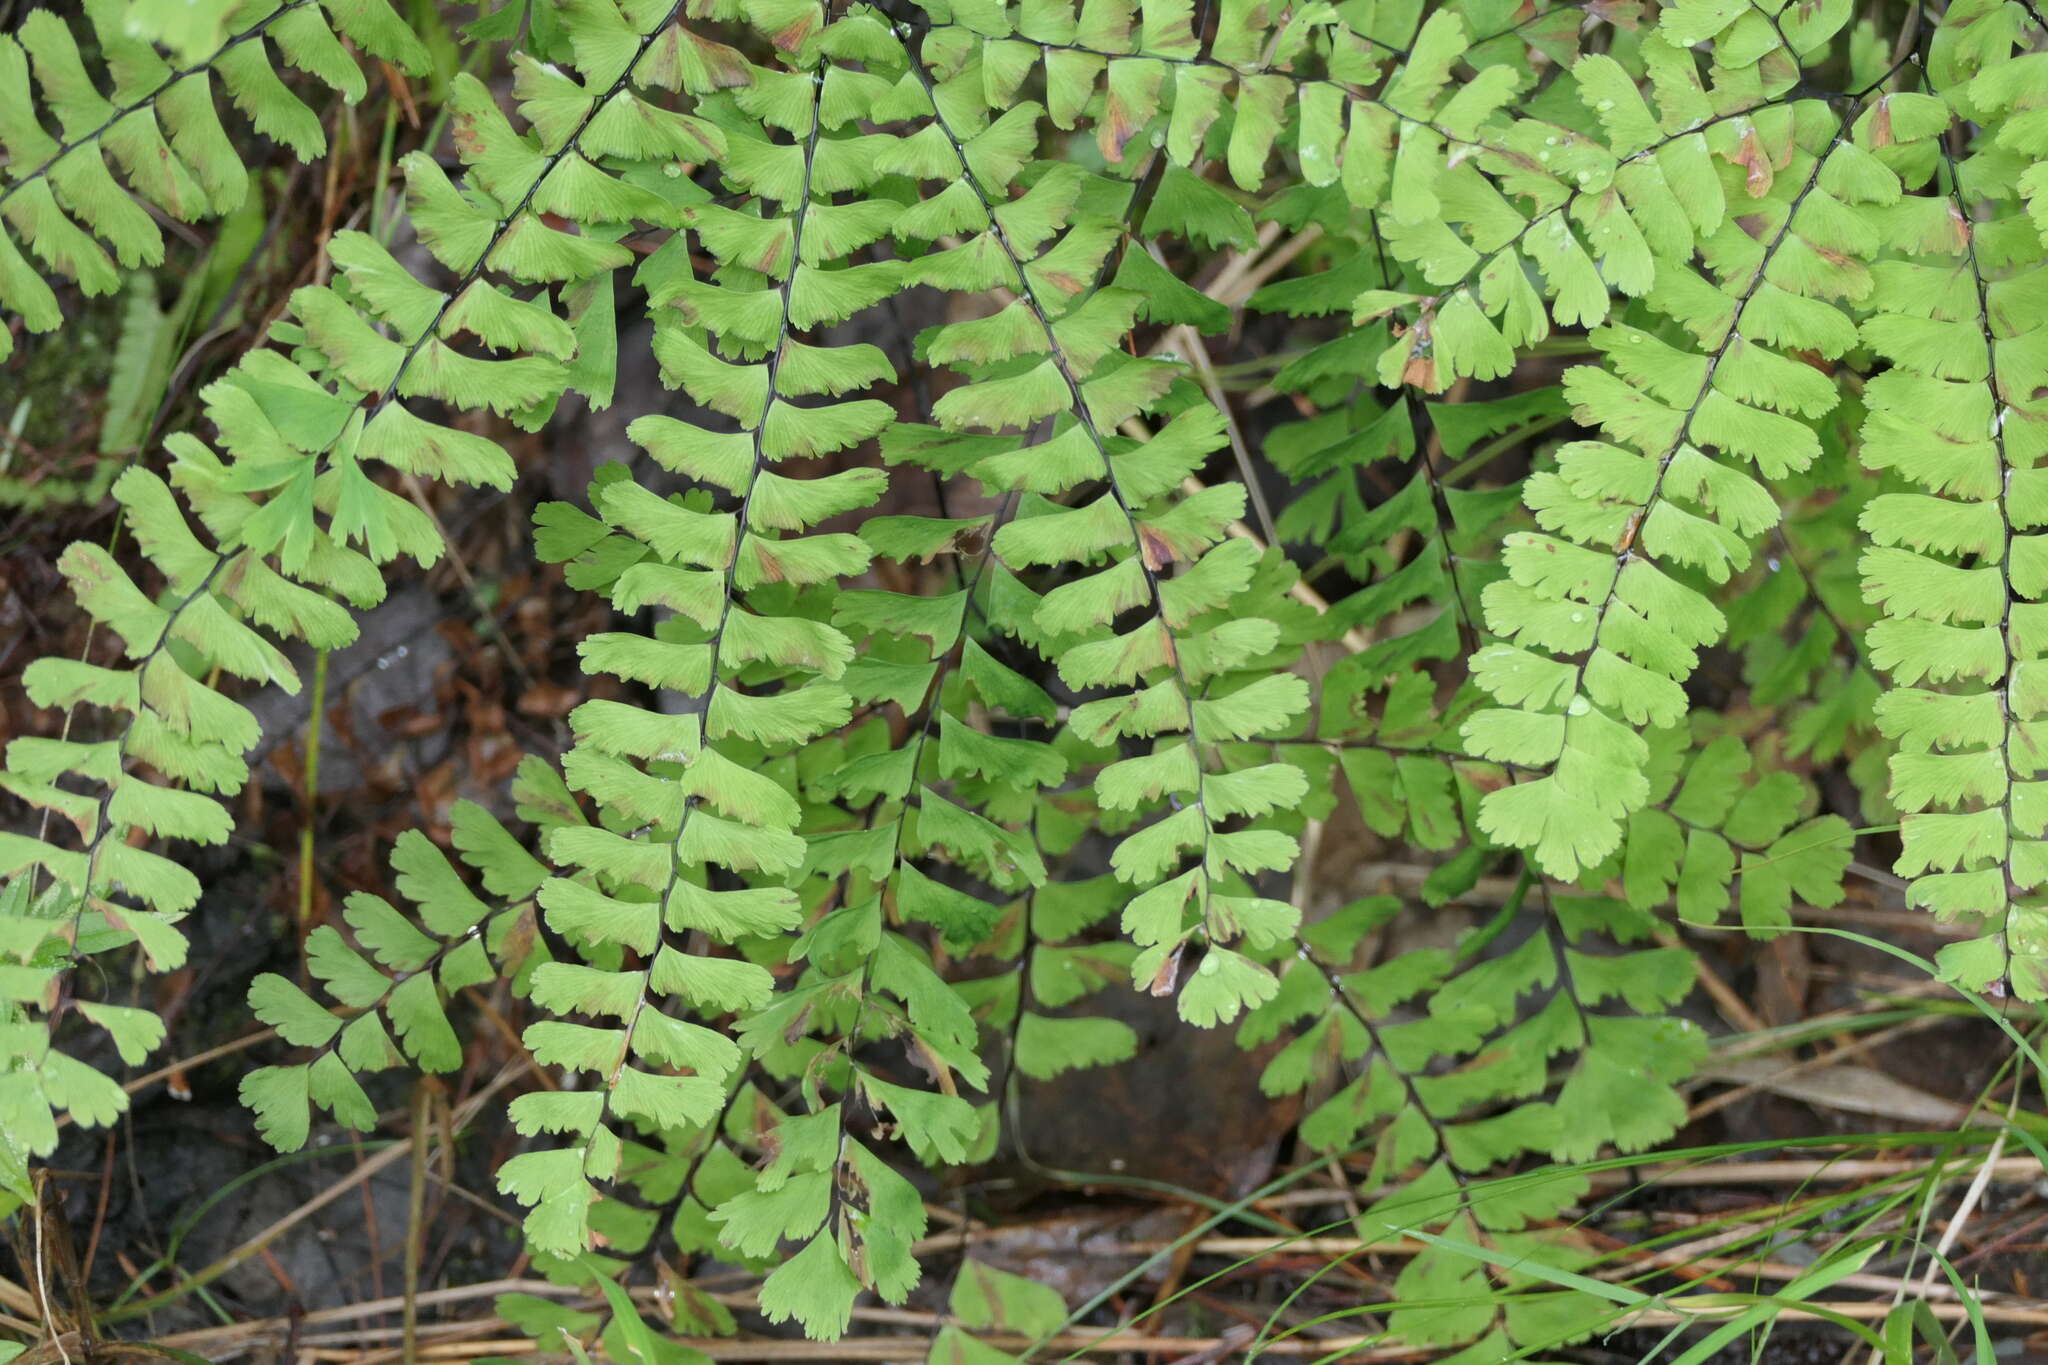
862	800
157	120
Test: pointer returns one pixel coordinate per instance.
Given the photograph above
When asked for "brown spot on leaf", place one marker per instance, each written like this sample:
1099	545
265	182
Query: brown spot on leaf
467	143
794	1033
1168	975
1156	550
1628	532
1623	14
1959	226
1119	125
1756	163
792	36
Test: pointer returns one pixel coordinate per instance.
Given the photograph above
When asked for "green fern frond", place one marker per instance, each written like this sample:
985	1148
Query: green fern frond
1166	672
683	802
1638	521
953	679
291	513
392	983
158	124
1955	418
